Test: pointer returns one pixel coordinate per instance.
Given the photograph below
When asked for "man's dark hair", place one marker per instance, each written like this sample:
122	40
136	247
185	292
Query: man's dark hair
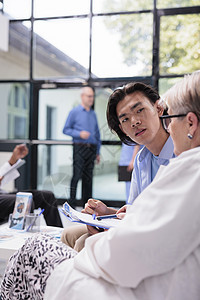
118	95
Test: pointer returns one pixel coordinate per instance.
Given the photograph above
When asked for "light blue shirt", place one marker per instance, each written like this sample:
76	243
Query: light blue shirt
80	119
142	172
154	166
126	154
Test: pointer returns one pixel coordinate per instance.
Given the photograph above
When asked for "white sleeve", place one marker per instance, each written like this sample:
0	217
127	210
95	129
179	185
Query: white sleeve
158	233
10	176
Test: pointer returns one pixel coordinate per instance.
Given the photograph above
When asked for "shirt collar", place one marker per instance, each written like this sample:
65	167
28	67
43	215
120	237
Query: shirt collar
83	109
166	152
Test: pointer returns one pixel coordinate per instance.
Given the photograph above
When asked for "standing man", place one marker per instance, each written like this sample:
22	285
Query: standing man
82	126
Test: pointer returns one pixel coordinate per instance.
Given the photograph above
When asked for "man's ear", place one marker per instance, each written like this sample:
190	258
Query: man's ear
160	108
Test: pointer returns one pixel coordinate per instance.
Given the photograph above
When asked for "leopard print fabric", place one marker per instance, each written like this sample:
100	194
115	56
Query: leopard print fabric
29	268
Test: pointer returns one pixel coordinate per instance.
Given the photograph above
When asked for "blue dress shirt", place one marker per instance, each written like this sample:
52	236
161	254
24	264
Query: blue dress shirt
142	172
80	119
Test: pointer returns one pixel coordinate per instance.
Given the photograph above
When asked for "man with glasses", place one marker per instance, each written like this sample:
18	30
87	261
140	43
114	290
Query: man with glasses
82	126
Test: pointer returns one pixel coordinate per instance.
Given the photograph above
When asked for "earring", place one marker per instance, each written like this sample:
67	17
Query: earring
190	136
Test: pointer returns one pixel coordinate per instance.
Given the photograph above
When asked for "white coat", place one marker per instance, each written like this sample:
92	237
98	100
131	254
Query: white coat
155	252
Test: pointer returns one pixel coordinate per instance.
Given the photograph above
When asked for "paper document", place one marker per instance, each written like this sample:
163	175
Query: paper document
16	166
76	216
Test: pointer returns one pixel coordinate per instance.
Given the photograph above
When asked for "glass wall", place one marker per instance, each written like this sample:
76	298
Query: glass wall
179	44
55	162
15	109
56	48
122	45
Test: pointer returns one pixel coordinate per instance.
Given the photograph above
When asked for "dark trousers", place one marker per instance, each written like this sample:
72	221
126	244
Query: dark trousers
42	199
84	156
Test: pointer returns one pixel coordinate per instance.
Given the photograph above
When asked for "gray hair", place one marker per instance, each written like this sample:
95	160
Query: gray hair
184	96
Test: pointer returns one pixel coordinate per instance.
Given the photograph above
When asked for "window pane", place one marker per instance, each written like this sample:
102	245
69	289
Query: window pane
101	100
55	169
167	83
176	3
46	8
66	99
15	63
179	44
13	115
106	171
122	45
104	6
58	56
55	172
53	114
19	9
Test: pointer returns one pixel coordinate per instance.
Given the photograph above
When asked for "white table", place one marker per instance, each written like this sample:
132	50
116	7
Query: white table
14	239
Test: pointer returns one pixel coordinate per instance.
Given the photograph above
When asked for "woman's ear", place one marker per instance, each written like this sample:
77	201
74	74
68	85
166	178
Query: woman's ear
160	108
192	122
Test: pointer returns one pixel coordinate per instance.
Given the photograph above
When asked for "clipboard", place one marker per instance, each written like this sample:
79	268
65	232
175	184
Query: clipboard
76	216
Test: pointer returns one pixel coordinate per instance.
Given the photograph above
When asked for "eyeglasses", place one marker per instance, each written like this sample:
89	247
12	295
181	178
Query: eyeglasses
166	119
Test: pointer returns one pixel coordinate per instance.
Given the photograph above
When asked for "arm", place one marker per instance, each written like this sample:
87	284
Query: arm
20	151
69	126
134	184
156	235
135	151
98	138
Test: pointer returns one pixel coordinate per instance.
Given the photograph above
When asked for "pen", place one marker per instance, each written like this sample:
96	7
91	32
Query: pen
99	218
32	224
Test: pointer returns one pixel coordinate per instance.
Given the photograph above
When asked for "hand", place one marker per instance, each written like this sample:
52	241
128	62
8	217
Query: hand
98	158
98	208
20	151
84	134
130	167
93	230
1	177
122	212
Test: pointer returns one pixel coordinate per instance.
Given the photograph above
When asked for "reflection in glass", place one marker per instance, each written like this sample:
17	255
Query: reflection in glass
61	56
15	63
19	9
55	172
176	3
105	6
55	169
179	44
122	45
46	8
14	113
106	172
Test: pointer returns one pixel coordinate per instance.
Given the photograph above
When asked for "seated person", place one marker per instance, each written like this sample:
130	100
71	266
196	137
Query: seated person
154	253
146	129
42	199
